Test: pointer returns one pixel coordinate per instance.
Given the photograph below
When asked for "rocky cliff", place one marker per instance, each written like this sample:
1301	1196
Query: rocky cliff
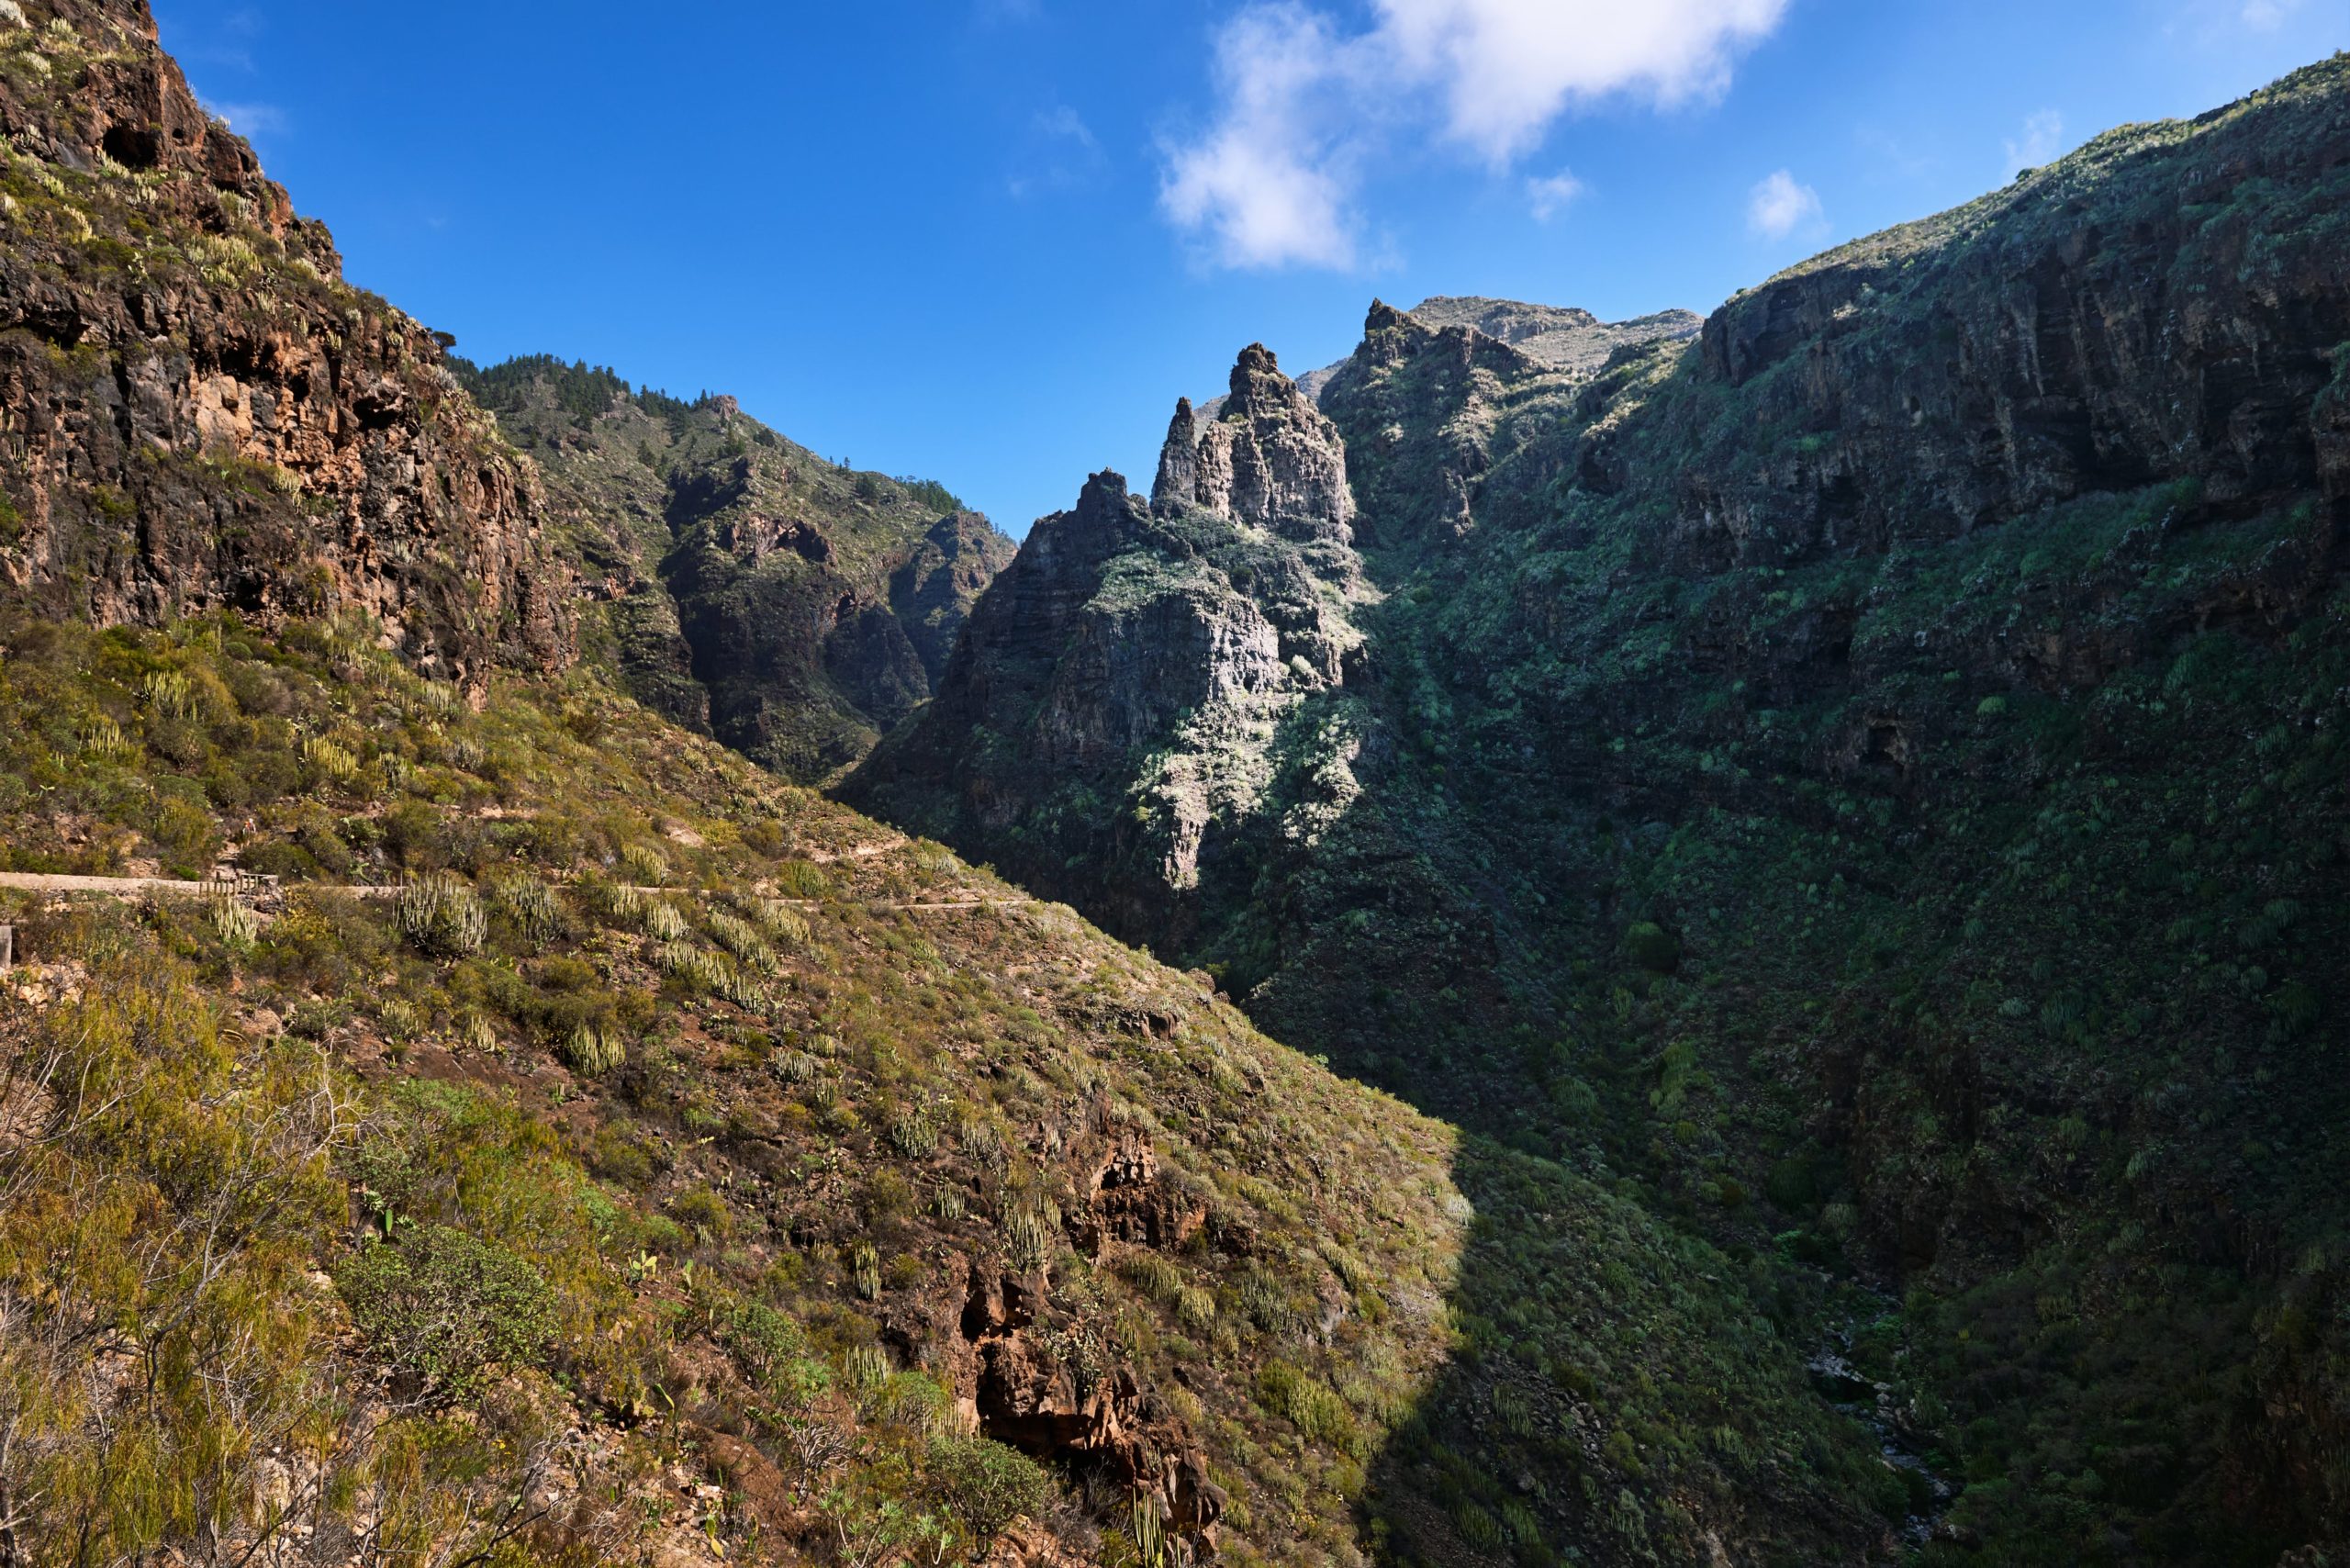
1560	337
201	414
747	587
1267	459
1868	777
1150	654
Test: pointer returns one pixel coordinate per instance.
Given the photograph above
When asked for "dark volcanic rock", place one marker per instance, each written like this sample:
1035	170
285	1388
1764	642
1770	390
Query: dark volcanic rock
2148	309
1269	459
932	593
1562	338
1147	654
204	415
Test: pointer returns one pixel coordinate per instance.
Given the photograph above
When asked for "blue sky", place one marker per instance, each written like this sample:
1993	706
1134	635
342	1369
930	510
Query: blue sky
990	241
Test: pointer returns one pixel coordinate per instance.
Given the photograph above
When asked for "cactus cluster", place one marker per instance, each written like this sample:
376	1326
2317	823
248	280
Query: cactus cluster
442	915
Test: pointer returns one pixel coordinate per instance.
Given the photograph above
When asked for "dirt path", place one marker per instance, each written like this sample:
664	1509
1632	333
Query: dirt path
164	886
133	887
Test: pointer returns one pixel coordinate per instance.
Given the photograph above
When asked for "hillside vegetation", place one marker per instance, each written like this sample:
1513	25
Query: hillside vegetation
792	606
654	1173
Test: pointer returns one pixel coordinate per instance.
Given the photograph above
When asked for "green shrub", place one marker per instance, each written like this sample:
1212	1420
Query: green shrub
1151	1275
741	938
646	864
329	763
985	1485
590	1051
865	1270
233	920
780	921
2296	1003
761	1339
799	879
913	1132
531	905
864	1368
183	830
449	1307
1030	1235
1310	1406
702	1212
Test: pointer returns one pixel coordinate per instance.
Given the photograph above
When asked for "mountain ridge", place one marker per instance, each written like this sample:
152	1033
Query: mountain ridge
166	310
1562	337
1774	770
792	606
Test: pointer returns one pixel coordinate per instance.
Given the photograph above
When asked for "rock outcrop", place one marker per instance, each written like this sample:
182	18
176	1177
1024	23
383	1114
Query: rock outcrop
1559	338
1267	459
201	414
1041	1381
1147	654
931	593
2153	308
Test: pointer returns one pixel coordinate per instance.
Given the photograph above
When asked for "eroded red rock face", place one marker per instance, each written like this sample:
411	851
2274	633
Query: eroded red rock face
1042	1381
203	415
1133	1202
1038	1372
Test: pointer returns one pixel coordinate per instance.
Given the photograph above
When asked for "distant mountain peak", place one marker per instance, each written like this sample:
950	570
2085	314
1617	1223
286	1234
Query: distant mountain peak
1556	337
1561	337
788	605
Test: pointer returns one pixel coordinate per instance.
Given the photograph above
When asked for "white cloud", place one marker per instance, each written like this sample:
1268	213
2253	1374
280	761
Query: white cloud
1778	206
1549	197
1305	104
1271	181
2268	15
1065	124
1508	68
2042	140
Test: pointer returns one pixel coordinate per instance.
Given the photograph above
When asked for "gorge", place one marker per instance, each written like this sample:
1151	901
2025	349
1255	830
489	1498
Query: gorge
1694	940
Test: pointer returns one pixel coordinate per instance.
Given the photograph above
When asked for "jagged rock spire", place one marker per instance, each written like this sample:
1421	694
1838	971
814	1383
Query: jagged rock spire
1178	461
1271	460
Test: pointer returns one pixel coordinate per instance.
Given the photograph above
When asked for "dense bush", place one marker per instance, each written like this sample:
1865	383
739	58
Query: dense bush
448	1305
986	1485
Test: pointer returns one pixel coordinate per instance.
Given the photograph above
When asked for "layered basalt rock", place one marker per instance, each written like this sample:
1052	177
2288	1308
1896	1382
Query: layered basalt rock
2161	305
203	416
1268	458
1148	652
1040	1379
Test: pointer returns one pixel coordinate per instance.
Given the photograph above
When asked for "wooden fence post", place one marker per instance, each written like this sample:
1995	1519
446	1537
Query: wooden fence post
7	947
